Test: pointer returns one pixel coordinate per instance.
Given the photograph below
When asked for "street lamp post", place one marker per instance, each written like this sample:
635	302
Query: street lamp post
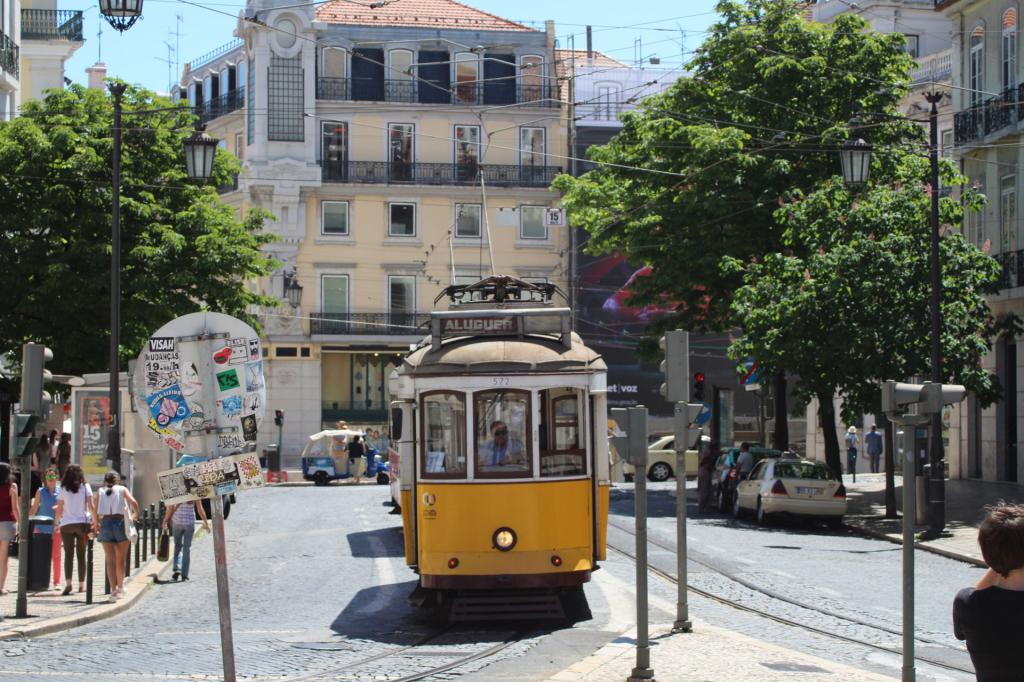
114	406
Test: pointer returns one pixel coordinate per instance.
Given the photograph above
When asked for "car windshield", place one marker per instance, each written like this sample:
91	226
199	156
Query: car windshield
803	470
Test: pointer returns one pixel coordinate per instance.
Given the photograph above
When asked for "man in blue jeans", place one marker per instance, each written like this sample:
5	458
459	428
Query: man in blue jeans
183	527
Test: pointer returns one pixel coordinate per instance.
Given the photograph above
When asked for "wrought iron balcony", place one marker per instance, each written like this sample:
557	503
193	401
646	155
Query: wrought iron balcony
385	173
1001	111
220	105
410	91
384	324
989	116
52	24
9	57
1012	263
969	124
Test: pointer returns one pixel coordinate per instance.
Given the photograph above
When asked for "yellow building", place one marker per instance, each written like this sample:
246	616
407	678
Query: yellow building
402	148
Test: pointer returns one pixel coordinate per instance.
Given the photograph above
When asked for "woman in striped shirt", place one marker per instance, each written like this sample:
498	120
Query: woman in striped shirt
183	525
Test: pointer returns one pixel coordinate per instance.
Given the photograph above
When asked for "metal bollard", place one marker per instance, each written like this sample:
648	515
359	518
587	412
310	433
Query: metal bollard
152	535
127	564
88	572
137	555
142	540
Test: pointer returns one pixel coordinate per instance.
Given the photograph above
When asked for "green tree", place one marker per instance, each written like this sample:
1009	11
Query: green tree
695	175
183	249
853	310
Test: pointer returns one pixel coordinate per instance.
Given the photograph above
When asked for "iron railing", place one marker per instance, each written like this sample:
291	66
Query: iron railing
1001	111
985	118
214	53
1012	263
969	124
385	173
9	56
52	24
420	92
220	105
386	324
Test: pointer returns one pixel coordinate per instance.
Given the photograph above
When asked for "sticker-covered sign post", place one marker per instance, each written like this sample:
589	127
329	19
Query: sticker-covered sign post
201	391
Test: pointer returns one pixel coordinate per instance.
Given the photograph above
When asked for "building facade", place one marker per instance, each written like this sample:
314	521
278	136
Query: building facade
988	98
36	40
402	149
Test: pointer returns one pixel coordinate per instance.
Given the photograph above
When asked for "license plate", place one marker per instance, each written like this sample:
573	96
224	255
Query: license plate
808	491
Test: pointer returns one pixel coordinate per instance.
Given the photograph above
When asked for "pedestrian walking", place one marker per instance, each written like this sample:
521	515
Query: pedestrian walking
40	461
987	615
851	451
182	518
75	518
705	468
9	518
355	457
45	504
63	454
111	504
873	446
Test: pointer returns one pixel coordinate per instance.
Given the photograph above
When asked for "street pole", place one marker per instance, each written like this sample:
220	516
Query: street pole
24	498
220	558
638	454
114	438
682	438
909	423
936	479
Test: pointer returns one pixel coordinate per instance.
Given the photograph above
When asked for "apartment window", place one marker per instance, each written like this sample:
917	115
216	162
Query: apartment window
333	63
334	218
401	220
239	147
401	151
607	103
977	69
913	46
467	152
193	98
531	222
1009	52
224	81
334	141
468	218
531	78
531	154
240	74
401	295
467	77
285	98
1008	214
207	88
975	221
250	100
946	143
401	83
334	294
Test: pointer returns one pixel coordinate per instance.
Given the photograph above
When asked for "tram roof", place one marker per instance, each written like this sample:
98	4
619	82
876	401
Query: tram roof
529	353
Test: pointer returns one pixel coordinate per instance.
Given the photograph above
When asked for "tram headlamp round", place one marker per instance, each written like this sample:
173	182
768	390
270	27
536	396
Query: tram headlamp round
504	539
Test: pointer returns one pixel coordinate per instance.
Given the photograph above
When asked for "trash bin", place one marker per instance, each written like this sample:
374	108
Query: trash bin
40	546
273	457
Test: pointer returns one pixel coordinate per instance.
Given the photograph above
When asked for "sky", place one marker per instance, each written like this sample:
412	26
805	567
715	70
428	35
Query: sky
625	31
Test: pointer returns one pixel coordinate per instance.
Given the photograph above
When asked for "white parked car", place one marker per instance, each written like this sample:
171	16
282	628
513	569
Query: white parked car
791	486
661	461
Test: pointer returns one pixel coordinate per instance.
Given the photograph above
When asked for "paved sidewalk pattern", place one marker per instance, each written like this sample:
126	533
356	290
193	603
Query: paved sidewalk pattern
965	508
708	653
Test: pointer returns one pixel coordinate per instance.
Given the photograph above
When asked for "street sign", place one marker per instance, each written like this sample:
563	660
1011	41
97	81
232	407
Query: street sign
211	478
554	217
751	374
199	385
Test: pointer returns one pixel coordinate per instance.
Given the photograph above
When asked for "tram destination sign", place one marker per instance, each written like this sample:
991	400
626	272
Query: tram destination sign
479	326
500	323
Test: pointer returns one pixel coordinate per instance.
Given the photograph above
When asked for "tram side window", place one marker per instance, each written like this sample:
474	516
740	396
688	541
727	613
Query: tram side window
444	423
503	435
562	451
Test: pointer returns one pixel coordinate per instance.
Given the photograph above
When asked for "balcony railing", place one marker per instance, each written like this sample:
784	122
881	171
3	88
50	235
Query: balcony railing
1001	111
386	324
933	67
969	124
223	104
9	58
52	24
987	117
1012	263
385	173
214	53
420	92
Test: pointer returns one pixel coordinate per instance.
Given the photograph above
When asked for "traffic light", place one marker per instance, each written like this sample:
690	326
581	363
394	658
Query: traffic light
278	417
936	396
897	396
676	366
630	436
24	435
698	386
34	376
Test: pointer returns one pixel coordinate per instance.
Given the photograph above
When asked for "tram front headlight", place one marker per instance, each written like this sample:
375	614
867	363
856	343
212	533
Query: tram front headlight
504	539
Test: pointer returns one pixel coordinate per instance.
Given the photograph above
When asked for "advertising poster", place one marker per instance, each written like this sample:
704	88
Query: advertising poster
91	429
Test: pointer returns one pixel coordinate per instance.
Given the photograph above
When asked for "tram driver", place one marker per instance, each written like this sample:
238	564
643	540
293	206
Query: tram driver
501	450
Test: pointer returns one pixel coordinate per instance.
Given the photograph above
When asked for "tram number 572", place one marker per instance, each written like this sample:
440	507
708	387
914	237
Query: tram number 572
500	381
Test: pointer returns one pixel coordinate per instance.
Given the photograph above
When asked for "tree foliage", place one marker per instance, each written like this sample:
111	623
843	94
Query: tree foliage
853	310
695	175
183	249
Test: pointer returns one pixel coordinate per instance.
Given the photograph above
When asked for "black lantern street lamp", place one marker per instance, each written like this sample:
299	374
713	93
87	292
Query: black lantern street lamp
121	14
855	158
292	289
200	150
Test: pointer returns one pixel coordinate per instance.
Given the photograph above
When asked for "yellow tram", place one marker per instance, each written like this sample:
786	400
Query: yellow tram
502	415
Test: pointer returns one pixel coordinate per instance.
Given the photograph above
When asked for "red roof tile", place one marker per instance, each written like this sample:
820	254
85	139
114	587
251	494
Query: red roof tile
415	13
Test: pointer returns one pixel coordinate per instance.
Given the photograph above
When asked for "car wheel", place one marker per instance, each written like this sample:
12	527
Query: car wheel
659	471
834	522
763	518
320	478
737	511
383	479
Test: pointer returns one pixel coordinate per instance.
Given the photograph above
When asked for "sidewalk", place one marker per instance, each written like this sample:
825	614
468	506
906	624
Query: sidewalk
49	611
698	655
965	508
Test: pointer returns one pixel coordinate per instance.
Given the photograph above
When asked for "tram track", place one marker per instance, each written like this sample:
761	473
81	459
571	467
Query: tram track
736	604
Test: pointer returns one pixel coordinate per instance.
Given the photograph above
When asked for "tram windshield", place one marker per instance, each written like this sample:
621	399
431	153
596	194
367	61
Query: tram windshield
562	451
445	435
502	433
